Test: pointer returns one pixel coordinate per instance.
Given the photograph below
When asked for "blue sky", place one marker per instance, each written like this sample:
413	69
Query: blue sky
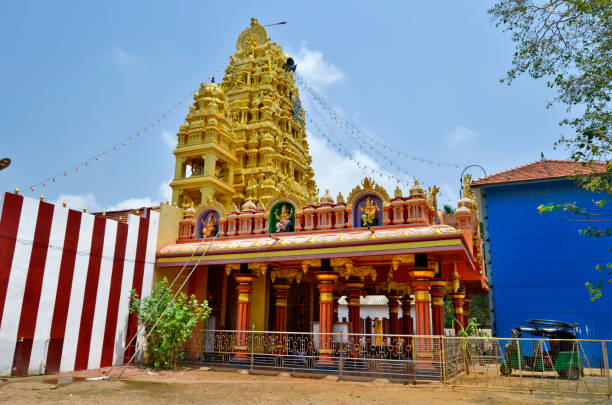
423	77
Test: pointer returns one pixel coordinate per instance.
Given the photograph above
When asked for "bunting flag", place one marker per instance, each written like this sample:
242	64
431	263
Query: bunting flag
144	131
354	132
65	281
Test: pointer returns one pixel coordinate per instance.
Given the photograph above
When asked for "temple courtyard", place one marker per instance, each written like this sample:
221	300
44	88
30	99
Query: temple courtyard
139	386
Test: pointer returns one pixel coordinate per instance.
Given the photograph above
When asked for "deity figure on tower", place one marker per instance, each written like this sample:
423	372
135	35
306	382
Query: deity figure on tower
369	209
284	219
209	227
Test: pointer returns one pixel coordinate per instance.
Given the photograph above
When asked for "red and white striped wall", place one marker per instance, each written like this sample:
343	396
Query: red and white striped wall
65	281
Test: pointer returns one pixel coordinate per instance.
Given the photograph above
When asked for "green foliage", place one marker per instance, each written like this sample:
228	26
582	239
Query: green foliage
175	324
568	43
471	329
448	209
479	309
468	347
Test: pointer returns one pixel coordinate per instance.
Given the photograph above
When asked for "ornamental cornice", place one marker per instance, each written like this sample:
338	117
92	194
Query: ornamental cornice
288	274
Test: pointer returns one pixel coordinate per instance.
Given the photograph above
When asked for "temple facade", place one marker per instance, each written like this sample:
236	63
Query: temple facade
270	254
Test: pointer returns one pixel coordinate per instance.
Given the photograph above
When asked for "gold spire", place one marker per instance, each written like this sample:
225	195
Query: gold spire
245	138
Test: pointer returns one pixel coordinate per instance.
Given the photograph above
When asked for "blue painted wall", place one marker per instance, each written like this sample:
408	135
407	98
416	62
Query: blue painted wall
540	263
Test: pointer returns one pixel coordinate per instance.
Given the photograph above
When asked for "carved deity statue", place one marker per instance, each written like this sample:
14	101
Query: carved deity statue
284	219
209	227
433	199
369	209
467	180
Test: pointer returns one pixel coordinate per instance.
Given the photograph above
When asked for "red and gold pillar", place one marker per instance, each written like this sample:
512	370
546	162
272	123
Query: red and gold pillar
407	325
393	313
354	291
437	308
336	304
420	289
466	310
458	298
326	288
393	305
244	288
281	292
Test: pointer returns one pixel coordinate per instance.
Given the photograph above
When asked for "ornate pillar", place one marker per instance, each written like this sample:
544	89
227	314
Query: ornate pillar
407	325
458	298
393	313
244	288
437	308
354	291
281	292
393	305
466	310
420	289
326	288
335	316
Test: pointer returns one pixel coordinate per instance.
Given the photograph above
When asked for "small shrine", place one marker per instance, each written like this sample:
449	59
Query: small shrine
274	255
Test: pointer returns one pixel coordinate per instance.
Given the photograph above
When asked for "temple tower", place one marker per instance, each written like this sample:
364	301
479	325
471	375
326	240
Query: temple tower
245	139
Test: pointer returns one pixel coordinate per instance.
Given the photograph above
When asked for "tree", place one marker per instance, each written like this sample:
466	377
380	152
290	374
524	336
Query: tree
177	319
568	43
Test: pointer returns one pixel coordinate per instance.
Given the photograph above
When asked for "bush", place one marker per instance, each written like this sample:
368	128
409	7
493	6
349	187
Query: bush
176	322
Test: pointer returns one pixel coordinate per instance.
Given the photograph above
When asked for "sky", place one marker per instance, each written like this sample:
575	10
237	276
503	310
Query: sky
421	77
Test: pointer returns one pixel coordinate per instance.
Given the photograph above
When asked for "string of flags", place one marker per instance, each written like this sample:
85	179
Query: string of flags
339	147
122	144
382	163
364	138
336	143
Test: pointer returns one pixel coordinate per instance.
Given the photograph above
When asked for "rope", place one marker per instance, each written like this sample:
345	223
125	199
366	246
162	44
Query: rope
140	328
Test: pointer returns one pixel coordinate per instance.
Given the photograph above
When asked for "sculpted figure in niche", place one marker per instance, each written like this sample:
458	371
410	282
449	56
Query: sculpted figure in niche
209	227
284	219
369	209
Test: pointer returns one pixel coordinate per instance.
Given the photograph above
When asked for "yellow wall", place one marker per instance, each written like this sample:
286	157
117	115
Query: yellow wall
259	303
169	217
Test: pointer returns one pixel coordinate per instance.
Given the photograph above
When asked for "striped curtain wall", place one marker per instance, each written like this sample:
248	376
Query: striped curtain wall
65	278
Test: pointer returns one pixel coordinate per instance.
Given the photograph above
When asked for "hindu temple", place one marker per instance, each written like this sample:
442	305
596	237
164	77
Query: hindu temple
273	255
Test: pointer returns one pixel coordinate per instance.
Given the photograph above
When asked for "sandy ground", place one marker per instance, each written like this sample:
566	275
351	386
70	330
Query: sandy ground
209	387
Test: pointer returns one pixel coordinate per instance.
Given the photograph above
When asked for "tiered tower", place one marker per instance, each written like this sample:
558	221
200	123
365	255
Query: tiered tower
245	139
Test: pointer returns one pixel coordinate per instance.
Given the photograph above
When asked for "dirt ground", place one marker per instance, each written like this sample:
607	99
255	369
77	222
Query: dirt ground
138	386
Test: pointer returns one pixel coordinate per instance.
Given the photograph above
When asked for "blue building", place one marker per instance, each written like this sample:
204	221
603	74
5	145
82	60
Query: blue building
538	264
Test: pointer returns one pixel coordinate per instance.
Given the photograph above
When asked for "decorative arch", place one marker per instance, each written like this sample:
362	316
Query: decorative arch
274	220
290	200
368	186
202	219
359	203
211	204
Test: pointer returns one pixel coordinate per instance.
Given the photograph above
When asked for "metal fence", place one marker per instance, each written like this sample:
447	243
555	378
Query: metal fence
496	363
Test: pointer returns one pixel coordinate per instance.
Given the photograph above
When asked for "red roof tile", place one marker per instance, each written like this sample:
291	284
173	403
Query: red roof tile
542	169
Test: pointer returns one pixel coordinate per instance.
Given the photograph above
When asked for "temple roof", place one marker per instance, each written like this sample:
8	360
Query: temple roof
360	242
303	239
540	170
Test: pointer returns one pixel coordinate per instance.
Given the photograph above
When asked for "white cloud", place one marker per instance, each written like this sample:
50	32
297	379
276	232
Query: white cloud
164	191
78	201
169	139
460	134
315	69
340	174
126	60
131	203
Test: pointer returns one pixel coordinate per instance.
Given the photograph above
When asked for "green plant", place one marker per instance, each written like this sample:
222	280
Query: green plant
177	319
470	346
448	209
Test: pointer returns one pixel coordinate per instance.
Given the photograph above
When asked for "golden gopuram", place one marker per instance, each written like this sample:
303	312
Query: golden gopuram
273	257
